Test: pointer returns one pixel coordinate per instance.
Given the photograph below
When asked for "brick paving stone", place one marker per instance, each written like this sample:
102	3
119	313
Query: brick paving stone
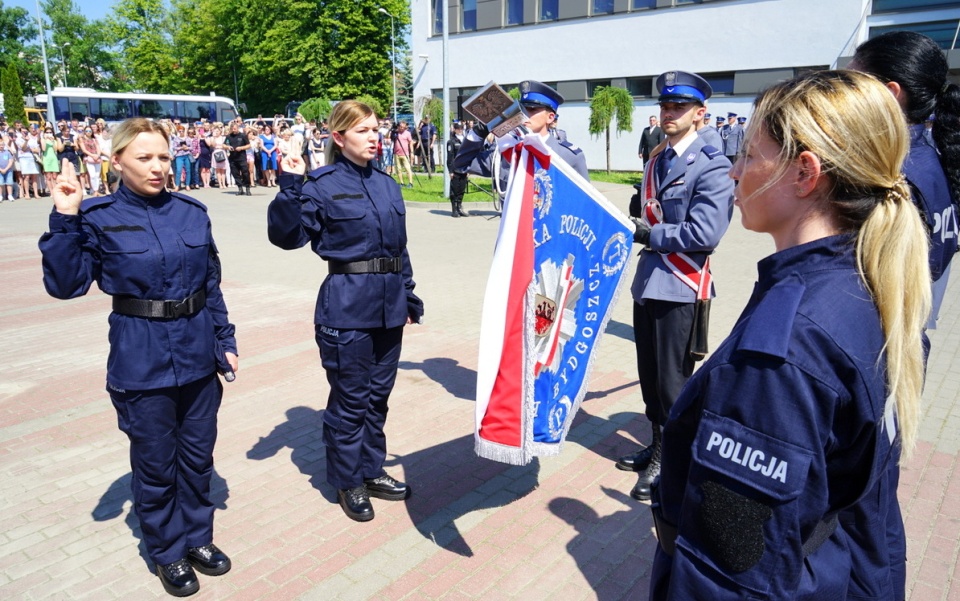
562	527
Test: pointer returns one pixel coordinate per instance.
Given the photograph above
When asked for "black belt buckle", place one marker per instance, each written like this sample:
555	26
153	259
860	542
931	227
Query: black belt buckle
178	308
385	264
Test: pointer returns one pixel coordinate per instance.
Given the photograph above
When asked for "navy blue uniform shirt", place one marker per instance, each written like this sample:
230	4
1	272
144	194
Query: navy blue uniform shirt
922	168
349	213
158	248
783	427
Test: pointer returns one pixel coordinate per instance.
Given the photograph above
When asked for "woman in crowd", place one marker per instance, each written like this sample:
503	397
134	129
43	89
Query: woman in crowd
91	158
315	149
143	246
800	415
49	147
269	154
205	160
254	142
914	69
180	144
28	154
105	140
220	157
353	216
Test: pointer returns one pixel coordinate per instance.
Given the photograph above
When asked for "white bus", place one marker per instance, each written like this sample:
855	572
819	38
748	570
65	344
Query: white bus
112	107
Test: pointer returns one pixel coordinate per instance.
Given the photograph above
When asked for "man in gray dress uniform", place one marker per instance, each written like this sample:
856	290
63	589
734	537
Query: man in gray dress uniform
540	103
732	134
685	205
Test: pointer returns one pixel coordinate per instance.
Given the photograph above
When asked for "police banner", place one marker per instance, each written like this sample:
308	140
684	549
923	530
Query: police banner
559	264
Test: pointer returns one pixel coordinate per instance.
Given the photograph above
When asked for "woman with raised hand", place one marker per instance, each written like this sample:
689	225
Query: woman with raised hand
153	252
354	217
780	457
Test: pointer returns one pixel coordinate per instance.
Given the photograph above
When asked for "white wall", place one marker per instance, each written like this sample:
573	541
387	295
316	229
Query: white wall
721	36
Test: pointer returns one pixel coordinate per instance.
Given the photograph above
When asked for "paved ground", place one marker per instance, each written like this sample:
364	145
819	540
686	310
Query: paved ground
561	527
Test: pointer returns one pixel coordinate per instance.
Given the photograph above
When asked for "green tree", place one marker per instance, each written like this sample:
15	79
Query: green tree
17	34
607	104
143	30
315	108
405	85
12	95
373	103
86	46
433	108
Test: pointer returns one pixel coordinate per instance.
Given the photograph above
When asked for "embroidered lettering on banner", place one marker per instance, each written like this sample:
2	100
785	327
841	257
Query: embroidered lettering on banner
753	459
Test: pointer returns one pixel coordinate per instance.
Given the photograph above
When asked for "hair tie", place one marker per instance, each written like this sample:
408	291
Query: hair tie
894	193
943	89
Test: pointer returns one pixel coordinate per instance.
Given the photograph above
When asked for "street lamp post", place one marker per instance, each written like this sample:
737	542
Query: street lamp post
393	60
63	63
46	67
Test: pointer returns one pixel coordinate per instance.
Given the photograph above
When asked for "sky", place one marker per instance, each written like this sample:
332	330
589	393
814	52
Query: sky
91	9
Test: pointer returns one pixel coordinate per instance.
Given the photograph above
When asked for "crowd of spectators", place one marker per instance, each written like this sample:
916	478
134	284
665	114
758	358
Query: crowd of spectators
30	156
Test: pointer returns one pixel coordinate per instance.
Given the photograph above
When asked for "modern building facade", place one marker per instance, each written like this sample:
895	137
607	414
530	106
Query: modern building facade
740	46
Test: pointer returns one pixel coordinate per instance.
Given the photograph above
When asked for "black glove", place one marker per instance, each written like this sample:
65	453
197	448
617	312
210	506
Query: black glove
641	232
481	130
636	205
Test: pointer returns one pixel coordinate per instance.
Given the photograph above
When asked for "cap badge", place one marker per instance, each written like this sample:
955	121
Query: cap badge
670	78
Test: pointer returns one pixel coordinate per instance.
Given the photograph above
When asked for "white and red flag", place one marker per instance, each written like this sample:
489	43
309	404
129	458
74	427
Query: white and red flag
559	264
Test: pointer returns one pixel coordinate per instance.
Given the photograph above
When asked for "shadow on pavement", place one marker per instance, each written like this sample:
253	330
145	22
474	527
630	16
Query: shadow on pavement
457	380
615	534
620	330
118	494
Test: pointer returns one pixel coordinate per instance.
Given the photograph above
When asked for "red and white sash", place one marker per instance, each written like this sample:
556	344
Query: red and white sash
680	264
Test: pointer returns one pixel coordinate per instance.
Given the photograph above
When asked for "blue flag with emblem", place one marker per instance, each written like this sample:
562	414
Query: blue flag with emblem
563	285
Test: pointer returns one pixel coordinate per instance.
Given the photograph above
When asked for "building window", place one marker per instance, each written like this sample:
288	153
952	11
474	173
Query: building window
602	7
438	17
941	32
888	6
722	83
638	4
549	10
596	83
469	15
640	86
514	12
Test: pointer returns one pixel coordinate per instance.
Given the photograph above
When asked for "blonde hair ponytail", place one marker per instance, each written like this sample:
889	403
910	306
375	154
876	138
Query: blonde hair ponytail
892	251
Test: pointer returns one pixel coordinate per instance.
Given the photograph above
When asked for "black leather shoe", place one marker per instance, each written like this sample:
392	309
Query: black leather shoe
387	488
209	560
356	503
635	462
178	578
642	490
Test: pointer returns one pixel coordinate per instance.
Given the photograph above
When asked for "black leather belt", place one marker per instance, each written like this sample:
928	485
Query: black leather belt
160	309
378	265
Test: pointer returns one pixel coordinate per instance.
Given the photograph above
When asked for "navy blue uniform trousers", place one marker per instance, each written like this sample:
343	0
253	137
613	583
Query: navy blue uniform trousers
172	433
361	368
661	333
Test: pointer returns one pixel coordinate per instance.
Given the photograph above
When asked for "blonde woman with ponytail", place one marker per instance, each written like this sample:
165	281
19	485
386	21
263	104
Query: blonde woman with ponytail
780	460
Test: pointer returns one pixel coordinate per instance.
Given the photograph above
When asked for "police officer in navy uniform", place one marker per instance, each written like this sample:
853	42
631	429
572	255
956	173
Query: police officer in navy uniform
237	144
458	177
709	134
153	252
353	216
540	102
732	135
780	459
689	183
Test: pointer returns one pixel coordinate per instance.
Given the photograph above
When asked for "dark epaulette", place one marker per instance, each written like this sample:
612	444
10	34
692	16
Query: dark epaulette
190	200
566	144
88	204
710	151
320	172
769	327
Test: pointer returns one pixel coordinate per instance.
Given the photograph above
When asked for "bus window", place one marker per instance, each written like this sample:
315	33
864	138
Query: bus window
155	109
61	108
195	111
79	109
226	112
109	109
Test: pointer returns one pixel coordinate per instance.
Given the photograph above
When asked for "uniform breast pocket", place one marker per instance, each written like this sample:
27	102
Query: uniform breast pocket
742	520
672	203
400	210
344	223
195	246
128	265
